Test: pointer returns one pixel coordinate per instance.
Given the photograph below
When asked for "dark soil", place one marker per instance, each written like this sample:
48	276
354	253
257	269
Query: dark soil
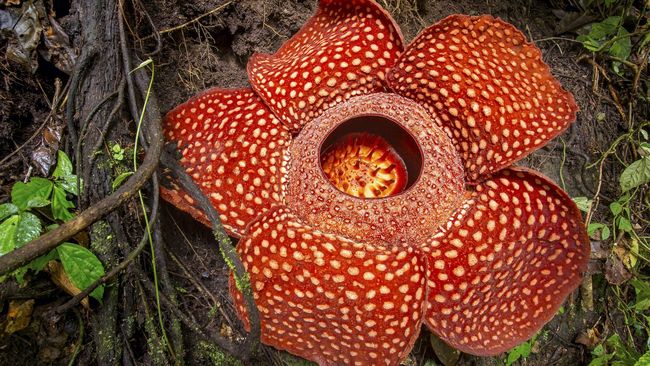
214	52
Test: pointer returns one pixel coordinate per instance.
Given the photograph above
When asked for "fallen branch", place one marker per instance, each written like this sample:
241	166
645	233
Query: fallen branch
226	248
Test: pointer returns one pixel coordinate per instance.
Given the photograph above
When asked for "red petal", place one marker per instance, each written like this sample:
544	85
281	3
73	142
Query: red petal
236	151
504	263
329	299
345	49
488	87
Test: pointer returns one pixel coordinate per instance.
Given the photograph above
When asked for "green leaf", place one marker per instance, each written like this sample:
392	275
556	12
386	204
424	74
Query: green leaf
63	165
595	227
63	174
69	184
622	47
643	360
7	209
601	357
143	64
605	28
120	178
635	174
117	152
589	43
521	351
599	350
644	147
8	234
60	205
642	290
616	208
35	265
624	224
583	203
35	193
625	353
29	228
82	267
644	133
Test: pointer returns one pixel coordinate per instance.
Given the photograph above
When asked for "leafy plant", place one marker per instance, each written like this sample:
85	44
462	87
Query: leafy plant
117	152
611	37
21	224
522	351
615	352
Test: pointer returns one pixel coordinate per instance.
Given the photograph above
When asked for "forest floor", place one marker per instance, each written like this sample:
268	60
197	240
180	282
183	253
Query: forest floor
208	43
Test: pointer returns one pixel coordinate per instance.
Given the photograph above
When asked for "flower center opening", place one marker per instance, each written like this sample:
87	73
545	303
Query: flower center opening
370	157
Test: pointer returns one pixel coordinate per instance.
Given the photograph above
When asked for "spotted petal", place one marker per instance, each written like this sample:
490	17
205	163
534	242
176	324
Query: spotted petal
329	299
345	49
504	263
488	87
235	149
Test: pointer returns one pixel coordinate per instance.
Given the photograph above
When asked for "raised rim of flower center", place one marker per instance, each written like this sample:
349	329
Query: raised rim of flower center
399	144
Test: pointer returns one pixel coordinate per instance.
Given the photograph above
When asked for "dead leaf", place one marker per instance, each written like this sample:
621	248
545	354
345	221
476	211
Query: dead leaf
44	154
10	2
225	331
627	250
615	271
599	250
57	47
19	315
23	28
60	278
590	338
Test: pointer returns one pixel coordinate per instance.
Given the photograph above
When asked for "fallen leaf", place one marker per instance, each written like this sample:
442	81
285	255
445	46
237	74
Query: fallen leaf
590	338
628	257
22	27
10	2
61	279
19	315
57	47
599	250
615	271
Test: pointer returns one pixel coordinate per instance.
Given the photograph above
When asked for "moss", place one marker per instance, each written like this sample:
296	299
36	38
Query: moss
155	345
216	355
243	283
103	243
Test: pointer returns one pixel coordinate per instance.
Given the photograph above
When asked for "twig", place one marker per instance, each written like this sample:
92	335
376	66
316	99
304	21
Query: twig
220	341
38	130
155	34
227	250
200	287
172	29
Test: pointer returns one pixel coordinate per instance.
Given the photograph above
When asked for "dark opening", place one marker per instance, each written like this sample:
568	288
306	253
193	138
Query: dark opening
401	140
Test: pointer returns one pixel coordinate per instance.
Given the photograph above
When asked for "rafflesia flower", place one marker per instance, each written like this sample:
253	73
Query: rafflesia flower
372	188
